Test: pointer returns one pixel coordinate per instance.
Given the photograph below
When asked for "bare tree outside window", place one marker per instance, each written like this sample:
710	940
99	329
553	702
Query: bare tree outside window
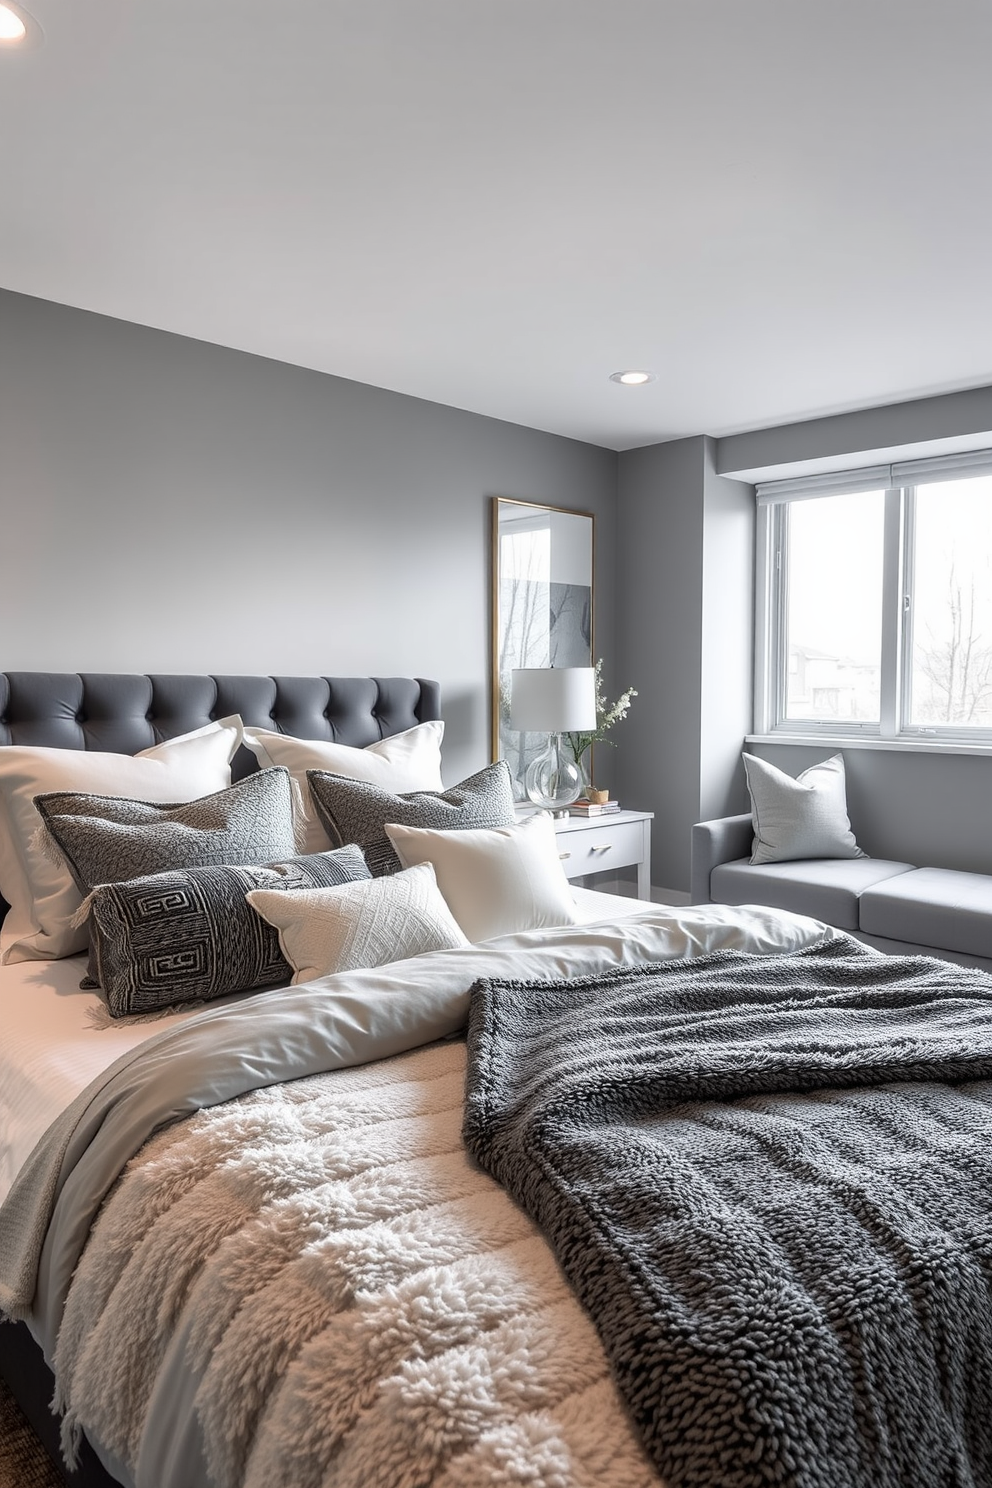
952	605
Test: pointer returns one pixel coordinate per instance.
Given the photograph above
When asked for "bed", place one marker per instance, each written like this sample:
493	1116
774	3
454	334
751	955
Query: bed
315	1234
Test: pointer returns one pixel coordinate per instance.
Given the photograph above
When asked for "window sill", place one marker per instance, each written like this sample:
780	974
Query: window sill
844	741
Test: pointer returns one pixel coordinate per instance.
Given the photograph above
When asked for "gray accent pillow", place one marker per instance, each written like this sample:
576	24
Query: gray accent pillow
805	817
191	935
107	839
357	811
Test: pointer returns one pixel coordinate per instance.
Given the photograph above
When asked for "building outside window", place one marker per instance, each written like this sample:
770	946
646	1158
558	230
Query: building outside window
874	603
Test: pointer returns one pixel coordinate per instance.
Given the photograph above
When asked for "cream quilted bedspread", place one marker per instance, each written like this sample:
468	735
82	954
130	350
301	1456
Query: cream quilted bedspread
345	1299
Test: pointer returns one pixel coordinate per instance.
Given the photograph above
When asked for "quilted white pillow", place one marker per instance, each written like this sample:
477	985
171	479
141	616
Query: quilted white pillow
366	923
41	894
410	761
497	880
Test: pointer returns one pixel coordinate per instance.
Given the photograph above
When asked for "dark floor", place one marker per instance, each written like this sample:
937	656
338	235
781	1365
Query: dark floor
23	1463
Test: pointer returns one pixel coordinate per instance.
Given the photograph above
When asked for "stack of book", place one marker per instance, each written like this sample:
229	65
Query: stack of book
594	808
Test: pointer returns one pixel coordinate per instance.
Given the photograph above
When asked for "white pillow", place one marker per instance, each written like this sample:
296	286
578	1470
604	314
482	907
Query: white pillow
802	818
365	923
41	894
497	880
410	761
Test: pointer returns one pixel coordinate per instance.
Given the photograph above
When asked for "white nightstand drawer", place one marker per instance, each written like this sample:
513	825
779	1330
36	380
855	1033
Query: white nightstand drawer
599	848
603	844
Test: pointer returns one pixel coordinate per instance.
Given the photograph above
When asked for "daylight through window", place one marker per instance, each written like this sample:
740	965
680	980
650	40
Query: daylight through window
950	620
874	603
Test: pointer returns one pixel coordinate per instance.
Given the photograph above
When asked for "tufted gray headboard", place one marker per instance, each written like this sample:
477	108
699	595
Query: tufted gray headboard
123	713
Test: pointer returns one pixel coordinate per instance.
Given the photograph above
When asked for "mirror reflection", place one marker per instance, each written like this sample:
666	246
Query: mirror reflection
542	608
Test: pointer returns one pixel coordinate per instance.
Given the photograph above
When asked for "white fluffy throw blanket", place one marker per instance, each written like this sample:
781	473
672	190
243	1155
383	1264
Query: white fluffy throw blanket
312	1285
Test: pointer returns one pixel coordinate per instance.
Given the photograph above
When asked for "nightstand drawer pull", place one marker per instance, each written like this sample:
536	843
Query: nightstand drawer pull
605	845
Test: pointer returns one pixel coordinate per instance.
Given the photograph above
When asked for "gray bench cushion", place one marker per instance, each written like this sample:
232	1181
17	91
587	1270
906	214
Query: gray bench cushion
826	888
933	907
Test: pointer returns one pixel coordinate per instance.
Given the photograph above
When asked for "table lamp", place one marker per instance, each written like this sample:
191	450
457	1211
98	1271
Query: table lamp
553	701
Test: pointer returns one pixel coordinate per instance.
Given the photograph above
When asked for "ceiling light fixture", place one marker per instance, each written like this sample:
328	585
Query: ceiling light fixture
632	379
18	28
12	28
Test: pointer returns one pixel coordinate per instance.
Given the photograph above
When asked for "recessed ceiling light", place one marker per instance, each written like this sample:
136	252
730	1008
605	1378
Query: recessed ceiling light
12	28
18	28
632	379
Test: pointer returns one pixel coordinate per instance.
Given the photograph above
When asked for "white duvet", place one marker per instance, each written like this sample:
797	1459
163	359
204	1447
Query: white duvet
55	1038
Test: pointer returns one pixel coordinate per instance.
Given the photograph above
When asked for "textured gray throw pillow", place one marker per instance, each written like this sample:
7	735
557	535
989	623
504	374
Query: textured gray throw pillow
804	817
357	811
191	935
107	839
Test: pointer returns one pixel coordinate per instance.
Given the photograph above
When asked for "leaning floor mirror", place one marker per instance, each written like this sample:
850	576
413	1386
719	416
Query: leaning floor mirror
542	610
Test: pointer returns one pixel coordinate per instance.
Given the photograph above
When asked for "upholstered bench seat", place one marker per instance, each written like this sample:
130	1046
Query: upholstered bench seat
936	906
895	907
825	888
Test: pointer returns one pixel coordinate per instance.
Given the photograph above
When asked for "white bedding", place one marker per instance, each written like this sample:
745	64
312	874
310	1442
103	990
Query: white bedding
52	1047
56	1039
53	1043
57	1048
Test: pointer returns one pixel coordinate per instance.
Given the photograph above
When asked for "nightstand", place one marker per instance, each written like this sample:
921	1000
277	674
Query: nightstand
600	844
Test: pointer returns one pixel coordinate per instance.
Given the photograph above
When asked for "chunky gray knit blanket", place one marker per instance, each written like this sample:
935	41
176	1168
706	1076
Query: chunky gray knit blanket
770	1182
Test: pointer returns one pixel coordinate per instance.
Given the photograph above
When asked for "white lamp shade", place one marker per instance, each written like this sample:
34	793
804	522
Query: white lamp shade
553	700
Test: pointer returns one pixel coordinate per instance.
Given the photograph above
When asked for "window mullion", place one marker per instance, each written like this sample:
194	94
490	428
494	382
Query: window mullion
892	606
906	607
780	590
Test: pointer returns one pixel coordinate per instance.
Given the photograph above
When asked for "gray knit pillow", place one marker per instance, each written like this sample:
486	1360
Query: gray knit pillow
357	811
107	839
191	935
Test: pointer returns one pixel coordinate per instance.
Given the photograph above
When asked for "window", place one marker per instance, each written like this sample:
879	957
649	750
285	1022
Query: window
874	603
949	623
834	650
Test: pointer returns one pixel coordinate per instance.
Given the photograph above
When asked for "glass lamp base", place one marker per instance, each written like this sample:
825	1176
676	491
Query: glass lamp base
552	780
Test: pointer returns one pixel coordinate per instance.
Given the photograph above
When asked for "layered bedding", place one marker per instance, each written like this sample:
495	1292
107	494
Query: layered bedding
325	1181
57	1037
56	1040
343	1141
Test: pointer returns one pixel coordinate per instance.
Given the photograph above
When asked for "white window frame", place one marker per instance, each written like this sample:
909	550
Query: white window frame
775	500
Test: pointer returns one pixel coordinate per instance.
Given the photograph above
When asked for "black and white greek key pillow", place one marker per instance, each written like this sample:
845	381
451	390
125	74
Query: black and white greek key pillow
190	934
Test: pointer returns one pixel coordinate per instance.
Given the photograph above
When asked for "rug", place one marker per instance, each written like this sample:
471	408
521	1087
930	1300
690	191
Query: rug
23	1463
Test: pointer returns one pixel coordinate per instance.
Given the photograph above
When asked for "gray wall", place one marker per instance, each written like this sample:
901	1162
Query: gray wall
930	809
655	766
684	635
169	505
727	638
175	506
920	426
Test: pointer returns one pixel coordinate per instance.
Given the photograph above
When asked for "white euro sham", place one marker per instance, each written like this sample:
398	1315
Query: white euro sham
409	761
42	896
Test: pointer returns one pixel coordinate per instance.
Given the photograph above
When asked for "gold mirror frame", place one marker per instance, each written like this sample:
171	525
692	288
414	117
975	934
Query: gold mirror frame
543	560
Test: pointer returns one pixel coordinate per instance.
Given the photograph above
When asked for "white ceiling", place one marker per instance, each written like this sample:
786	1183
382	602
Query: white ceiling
782	207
